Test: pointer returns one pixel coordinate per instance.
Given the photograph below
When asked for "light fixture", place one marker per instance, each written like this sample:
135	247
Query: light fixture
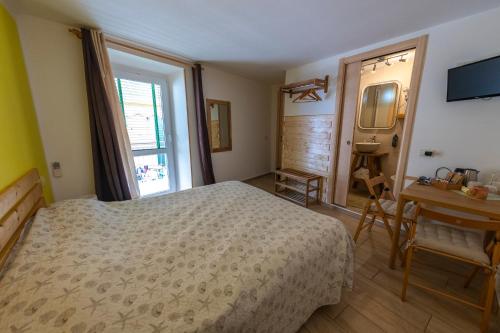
374	68
387	63
402	59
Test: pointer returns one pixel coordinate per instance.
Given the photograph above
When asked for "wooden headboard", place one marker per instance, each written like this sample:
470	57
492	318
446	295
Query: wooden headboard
18	203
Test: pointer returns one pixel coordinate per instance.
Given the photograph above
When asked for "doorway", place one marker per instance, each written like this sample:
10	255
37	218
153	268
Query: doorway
376	101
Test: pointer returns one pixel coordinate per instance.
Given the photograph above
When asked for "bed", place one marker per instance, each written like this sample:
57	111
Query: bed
221	258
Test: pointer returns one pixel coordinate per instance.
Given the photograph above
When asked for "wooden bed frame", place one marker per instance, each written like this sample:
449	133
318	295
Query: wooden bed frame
19	202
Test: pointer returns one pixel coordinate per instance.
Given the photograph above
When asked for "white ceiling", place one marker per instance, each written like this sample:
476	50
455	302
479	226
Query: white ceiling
255	38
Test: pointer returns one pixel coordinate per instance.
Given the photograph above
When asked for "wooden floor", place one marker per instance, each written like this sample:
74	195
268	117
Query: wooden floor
374	304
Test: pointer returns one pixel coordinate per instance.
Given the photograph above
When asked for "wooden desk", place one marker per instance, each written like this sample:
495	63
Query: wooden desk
441	198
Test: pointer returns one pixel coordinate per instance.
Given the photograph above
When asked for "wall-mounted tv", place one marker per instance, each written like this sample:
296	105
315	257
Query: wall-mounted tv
476	80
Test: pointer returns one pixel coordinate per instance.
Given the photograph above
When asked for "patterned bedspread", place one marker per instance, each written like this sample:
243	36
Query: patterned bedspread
221	258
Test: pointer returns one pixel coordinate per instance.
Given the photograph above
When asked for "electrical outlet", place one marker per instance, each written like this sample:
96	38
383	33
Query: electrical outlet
56	169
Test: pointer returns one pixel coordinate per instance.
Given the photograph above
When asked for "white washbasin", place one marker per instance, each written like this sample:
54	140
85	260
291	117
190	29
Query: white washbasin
367	147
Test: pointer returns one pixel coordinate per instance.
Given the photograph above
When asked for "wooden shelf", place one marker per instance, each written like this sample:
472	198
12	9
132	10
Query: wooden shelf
307	89
296	174
296	186
293	196
301	86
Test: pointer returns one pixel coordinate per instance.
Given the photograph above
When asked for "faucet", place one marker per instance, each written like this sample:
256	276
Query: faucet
373	139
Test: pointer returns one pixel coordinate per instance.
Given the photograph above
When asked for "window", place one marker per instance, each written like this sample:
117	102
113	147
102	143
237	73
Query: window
143	102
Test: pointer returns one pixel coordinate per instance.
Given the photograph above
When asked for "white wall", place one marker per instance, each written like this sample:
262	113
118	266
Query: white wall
465	133
316	69
55	67
250	105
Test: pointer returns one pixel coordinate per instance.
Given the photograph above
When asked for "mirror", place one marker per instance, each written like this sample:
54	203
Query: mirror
219	125
379	105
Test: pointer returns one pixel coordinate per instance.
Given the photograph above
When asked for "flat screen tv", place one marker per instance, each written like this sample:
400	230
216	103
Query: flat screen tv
476	80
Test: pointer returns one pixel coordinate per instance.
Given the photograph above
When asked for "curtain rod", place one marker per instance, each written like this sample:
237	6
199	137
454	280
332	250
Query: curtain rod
138	48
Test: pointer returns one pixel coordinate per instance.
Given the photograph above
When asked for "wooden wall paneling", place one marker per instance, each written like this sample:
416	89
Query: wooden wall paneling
306	145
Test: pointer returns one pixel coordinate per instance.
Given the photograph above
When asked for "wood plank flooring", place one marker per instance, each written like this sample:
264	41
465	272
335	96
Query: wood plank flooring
374	304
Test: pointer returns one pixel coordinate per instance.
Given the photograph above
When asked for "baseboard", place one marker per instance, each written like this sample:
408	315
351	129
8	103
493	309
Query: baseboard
355	214
344	210
255	177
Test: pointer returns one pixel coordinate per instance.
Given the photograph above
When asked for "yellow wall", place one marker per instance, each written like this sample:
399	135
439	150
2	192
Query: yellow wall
20	144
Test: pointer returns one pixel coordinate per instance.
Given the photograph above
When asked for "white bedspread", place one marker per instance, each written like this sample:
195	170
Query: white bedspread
221	258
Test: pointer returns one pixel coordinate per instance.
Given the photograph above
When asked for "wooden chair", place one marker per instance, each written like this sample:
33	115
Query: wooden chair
382	206
475	242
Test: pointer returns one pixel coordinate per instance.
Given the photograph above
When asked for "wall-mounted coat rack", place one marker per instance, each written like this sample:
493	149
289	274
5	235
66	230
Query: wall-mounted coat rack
307	90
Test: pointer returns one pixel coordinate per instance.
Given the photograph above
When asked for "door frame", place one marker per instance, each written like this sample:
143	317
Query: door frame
280	114
420	46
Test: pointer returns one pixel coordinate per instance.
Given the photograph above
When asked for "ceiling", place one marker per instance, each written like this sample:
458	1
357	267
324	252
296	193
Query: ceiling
254	38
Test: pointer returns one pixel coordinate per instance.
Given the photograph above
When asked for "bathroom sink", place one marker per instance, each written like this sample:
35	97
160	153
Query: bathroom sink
367	147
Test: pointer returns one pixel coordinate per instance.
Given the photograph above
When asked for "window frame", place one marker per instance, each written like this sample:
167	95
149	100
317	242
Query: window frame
139	76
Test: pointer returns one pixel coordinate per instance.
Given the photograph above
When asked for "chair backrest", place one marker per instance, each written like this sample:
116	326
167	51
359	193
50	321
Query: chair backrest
371	183
486	225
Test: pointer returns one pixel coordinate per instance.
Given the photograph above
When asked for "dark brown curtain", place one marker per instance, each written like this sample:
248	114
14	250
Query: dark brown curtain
109	173
201	126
